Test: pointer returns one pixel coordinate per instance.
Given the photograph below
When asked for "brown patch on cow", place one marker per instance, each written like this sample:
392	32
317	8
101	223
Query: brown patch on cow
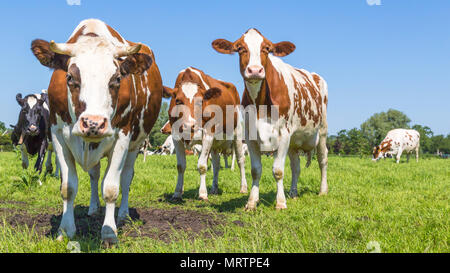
76	35
74	86
115	34
278	174
48	58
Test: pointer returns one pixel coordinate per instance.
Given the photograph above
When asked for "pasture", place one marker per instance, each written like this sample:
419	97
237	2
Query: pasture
404	207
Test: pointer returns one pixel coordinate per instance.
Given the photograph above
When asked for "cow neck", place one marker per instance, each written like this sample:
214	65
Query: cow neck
273	91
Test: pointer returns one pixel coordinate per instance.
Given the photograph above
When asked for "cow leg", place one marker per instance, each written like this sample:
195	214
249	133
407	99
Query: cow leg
233	159
57	168
399	155
41	156
215	156
225	159
294	158
181	167
407	157
278	169
125	182
23	151
322	158
110	186
94	175
417	154
203	165
239	153
69	185
48	163
308	159
255	158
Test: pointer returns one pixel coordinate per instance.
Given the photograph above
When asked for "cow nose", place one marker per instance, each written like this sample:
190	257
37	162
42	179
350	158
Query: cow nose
93	126
255	71
32	129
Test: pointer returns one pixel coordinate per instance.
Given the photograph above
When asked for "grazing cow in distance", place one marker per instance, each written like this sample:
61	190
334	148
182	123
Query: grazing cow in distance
105	95
32	130
396	142
195	90
299	97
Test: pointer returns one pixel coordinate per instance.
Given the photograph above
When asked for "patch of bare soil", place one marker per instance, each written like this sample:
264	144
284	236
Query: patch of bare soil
159	224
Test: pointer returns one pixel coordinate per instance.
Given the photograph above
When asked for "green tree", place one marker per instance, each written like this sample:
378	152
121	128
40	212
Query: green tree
156	137
426	136
376	127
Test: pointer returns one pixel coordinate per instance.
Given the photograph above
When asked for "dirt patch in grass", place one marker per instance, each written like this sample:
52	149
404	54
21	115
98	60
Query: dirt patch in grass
161	224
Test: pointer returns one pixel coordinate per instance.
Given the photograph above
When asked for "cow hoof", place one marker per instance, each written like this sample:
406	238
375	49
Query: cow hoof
203	198
93	211
214	191
175	199
281	206
243	190
322	193
293	194
250	206
24	166
109	236
123	217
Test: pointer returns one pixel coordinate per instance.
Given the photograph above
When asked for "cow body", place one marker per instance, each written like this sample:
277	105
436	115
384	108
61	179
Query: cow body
396	142
32	130
192	85
299	97
105	95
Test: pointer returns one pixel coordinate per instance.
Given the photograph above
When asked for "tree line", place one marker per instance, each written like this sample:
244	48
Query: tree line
360	141
356	141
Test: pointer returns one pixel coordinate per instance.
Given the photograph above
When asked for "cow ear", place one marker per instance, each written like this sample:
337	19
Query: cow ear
212	93
43	99
168	92
19	99
223	46
282	49
48	58
136	63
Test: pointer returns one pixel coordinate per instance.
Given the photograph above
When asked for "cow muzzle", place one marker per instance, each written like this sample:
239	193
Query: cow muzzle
33	130
92	127
255	72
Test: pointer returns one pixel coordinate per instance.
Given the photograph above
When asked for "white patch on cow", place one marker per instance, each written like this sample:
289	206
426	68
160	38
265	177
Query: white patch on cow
254	40
189	89
200	76
31	101
98	27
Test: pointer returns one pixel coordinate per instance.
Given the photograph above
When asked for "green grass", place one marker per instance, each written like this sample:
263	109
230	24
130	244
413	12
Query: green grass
404	207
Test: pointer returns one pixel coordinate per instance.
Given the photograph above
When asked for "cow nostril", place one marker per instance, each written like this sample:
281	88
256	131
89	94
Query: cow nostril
260	70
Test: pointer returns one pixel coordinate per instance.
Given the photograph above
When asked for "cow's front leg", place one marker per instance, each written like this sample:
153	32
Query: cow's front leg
24	153
239	153
255	158
225	159
69	185
48	162
215	158
125	183
41	156
181	167
278	169
94	175
110	186
57	169
399	155
203	165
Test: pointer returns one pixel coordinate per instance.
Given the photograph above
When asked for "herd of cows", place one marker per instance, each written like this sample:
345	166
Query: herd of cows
105	95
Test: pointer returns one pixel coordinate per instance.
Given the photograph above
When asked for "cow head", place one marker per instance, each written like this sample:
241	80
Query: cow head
95	69
30	116
187	97
253	49
377	154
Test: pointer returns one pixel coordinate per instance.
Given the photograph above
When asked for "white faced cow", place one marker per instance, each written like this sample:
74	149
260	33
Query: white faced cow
32	130
105	95
301	98
193	85
396	142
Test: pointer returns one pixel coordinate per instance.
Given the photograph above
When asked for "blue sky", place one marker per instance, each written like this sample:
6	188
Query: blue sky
393	55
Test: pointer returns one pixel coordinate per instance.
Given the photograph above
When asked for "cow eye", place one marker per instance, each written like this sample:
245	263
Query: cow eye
68	77
178	102
241	49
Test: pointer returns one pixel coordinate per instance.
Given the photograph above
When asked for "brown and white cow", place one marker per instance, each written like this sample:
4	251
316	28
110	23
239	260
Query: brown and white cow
193	88
299	97
396	142
105	94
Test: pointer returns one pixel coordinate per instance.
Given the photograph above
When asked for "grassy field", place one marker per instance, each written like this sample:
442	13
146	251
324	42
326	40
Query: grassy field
402	207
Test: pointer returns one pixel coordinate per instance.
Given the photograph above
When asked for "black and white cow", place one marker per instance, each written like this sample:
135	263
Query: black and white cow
32	130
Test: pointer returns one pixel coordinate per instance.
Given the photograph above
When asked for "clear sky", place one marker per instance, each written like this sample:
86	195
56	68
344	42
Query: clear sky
374	57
